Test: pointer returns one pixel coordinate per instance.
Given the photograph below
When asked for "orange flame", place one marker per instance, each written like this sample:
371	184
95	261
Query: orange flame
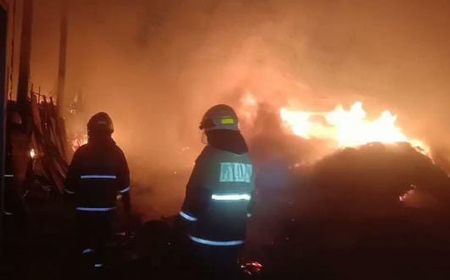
348	128
79	141
33	153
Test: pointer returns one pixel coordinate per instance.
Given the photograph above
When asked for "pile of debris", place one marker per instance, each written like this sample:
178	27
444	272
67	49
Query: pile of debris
48	142
41	160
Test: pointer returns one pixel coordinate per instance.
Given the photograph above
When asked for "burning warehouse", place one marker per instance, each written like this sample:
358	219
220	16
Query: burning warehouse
333	142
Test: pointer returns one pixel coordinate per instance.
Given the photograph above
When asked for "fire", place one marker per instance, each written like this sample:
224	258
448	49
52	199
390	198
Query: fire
78	141
348	128
32	153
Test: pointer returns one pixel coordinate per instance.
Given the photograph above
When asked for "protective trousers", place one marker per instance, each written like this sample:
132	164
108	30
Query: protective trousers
95	232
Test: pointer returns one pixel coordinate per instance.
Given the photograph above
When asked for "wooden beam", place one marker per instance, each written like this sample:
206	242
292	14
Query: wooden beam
25	52
62	58
3	102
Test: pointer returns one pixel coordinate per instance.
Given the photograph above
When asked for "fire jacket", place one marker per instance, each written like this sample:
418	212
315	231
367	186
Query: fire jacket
97	173
219	198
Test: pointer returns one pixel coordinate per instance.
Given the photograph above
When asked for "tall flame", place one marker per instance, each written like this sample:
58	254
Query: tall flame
348	128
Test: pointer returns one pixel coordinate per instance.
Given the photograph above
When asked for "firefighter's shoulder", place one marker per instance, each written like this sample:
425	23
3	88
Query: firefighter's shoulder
80	151
118	151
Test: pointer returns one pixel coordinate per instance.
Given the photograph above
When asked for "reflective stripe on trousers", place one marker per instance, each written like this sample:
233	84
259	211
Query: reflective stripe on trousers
216	243
96	176
124	190
188	217
87	251
68	191
95	209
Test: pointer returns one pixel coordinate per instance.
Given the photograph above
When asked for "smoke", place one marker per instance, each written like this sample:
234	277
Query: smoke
157	66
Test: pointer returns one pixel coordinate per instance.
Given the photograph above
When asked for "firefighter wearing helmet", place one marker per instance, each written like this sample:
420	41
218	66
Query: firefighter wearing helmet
97	174
220	192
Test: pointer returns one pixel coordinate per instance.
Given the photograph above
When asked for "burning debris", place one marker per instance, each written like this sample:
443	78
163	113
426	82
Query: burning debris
32	154
48	142
156	64
348	128
376	175
373	200
78	141
37	144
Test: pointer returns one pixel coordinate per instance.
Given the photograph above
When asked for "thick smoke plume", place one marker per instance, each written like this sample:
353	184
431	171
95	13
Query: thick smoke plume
156	66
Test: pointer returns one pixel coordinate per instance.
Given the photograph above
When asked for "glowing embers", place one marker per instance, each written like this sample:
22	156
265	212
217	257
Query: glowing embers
32	153
347	128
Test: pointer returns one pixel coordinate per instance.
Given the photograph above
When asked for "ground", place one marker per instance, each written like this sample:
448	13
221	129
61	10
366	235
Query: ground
312	226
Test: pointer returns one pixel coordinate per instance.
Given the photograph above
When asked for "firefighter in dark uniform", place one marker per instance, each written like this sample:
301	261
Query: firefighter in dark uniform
97	174
220	193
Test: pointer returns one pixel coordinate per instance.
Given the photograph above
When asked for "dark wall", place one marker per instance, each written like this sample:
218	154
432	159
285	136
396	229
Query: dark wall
3	30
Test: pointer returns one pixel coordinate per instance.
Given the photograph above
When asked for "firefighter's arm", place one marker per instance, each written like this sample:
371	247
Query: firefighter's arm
252	191
124	183
72	176
126	200
251	204
196	196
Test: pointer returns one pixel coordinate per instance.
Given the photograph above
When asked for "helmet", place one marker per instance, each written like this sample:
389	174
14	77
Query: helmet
100	122
220	117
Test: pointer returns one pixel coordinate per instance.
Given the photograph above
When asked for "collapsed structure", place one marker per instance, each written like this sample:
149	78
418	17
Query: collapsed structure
36	147
48	140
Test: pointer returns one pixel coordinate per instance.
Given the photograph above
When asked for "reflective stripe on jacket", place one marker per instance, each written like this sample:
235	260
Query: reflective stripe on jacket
218	196
96	175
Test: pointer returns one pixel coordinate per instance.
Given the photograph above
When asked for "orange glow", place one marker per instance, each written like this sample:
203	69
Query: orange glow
348	128
32	153
79	141
248	108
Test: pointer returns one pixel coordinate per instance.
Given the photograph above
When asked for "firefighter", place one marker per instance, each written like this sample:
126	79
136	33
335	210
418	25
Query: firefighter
220	192
97	174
